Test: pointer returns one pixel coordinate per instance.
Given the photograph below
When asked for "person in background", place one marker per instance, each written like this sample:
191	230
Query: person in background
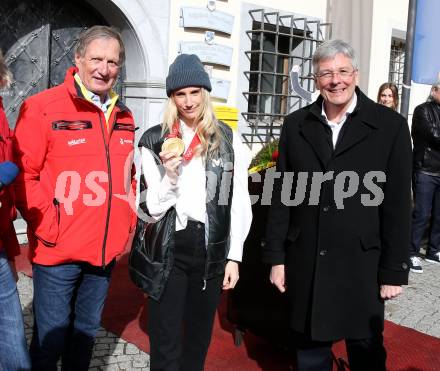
199	199
75	148
388	95
343	251
425	133
14	354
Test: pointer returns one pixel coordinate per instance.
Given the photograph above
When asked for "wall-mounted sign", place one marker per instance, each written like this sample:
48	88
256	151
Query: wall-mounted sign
193	17
220	88
215	53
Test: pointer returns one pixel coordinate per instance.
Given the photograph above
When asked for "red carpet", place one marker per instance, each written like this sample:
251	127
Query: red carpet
125	315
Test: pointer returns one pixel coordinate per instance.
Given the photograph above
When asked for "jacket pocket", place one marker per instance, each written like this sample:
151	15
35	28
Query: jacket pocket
217	251
71	125
49	232
369	242
74	138
122	139
124	127
216	258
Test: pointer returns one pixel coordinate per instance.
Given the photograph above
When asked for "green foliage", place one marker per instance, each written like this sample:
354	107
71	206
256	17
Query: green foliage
264	158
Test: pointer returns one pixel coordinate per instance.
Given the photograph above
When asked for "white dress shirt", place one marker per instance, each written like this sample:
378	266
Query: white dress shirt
188	196
337	126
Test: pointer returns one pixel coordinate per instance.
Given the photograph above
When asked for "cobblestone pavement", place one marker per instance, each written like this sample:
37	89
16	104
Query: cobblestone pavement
418	307
111	353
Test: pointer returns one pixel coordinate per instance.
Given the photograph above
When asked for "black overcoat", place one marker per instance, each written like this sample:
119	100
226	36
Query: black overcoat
351	234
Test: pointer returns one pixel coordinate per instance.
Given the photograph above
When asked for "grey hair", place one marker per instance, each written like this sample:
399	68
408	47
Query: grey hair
100	32
329	50
435	86
5	74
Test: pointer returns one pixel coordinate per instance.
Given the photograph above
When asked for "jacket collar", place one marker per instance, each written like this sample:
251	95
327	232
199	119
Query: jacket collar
364	109
359	124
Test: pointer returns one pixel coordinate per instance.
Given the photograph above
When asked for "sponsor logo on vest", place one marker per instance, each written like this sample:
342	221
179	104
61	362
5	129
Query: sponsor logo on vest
74	142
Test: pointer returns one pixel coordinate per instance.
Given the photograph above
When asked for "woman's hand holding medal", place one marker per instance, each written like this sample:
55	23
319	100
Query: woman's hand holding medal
171	156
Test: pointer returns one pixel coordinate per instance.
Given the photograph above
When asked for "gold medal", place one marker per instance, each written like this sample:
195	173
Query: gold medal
174	145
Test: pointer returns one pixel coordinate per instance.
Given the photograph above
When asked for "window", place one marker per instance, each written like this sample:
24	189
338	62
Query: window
277	42
397	62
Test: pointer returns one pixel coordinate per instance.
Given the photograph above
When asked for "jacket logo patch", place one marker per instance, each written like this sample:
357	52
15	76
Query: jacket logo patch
71	125
217	162
125	141
124	127
74	142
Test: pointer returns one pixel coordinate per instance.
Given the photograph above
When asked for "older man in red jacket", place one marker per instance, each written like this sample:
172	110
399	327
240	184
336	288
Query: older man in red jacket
75	149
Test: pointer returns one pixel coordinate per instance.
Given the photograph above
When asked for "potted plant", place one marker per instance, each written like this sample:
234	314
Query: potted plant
265	158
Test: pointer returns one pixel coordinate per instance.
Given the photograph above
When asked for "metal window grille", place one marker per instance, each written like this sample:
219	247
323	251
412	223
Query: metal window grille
397	62
278	42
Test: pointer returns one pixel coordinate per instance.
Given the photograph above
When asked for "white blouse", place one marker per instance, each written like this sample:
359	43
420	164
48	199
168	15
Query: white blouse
188	196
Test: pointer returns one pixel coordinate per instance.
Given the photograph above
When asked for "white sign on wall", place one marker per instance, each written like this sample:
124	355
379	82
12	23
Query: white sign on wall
220	88
215	53
193	17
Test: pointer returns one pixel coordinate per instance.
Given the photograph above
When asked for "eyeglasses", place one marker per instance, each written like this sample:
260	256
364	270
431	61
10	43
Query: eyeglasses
343	73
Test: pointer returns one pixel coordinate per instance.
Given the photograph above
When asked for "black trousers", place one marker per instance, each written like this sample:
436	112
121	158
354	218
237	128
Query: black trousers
363	354
180	324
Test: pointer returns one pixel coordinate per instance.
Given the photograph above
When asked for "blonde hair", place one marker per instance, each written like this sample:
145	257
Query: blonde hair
207	124
5	74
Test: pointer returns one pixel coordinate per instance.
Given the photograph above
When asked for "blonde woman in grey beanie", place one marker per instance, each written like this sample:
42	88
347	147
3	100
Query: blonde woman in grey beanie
194	176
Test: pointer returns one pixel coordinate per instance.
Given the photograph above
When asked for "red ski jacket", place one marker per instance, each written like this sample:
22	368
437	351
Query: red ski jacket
76	188
8	239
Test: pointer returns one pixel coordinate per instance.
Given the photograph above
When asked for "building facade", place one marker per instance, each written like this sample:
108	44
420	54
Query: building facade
248	49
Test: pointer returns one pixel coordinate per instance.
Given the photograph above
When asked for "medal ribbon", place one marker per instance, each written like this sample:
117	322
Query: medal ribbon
175	133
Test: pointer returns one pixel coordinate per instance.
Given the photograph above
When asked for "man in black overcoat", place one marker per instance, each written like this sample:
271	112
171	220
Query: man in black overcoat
339	224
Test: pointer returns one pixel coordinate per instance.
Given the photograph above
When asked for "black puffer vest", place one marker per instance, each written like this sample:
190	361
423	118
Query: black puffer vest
151	257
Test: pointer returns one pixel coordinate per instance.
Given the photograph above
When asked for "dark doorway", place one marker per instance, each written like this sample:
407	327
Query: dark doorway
38	39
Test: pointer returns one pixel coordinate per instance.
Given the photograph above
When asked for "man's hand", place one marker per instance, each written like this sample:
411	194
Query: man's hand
390	292
277	276
231	275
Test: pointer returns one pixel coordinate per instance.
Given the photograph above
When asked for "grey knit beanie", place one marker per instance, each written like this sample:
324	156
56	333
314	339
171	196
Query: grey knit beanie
187	70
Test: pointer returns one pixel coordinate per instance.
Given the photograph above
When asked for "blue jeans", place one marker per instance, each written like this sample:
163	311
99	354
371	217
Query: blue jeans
14	355
426	189
68	302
